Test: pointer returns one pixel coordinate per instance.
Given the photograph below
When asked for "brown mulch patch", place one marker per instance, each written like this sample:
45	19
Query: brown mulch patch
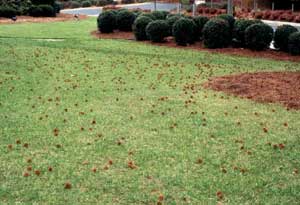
266	87
24	19
114	35
270	54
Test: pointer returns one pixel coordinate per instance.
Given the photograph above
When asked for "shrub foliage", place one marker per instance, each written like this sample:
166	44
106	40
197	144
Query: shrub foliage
294	43
125	20
239	29
281	37
139	27
157	30
7	12
258	36
229	18
106	22
42	11
216	33
184	31
200	21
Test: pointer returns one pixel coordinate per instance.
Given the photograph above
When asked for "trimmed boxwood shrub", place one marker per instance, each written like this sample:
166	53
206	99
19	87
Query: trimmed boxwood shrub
43	2
137	13
200	21
75	4
57	6
7	12
294	43
157	30
47	10
160	15
35	11
239	29
259	36
106	22
139	27
86	4
42	11
103	2
149	15
125	20
216	33
184	31
281	37
171	21
229	18
171	15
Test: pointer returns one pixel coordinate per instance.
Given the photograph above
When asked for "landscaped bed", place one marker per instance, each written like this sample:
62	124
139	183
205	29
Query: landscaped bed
276	87
271	54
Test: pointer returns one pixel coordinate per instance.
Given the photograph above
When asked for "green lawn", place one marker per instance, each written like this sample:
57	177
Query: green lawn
135	94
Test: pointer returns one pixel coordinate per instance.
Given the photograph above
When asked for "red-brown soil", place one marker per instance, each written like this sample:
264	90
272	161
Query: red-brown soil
24	19
115	35
270	54
266	87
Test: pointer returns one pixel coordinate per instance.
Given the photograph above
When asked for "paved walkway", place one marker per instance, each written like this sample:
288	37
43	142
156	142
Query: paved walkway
95	11
275	24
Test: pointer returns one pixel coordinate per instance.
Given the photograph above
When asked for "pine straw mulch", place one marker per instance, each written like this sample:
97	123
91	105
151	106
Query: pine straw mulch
264	87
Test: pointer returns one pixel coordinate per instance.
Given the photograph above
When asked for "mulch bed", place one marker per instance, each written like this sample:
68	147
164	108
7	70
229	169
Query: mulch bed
59	17
266	87
270	54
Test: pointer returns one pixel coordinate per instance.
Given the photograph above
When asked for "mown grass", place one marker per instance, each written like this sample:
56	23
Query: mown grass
137	96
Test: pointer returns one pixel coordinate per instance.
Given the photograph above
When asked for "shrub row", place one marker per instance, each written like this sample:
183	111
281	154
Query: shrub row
34	8
86	3
8	12
117	19
219	32
42	11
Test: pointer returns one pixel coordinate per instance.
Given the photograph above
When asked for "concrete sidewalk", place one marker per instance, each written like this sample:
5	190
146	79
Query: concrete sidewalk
275	24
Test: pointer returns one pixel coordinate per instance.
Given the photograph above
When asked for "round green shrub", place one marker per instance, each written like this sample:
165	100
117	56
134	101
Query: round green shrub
57	6
35	11
171	21
229	18
106	22
184	31
75	4
200	21
47	10
294	43
216	33
42	11
160	15
259	36
86	4
171	15
157	30
239	29
149	15
7	12
102	2
281	36
137	13
43	2
94	2
139	27
125	20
